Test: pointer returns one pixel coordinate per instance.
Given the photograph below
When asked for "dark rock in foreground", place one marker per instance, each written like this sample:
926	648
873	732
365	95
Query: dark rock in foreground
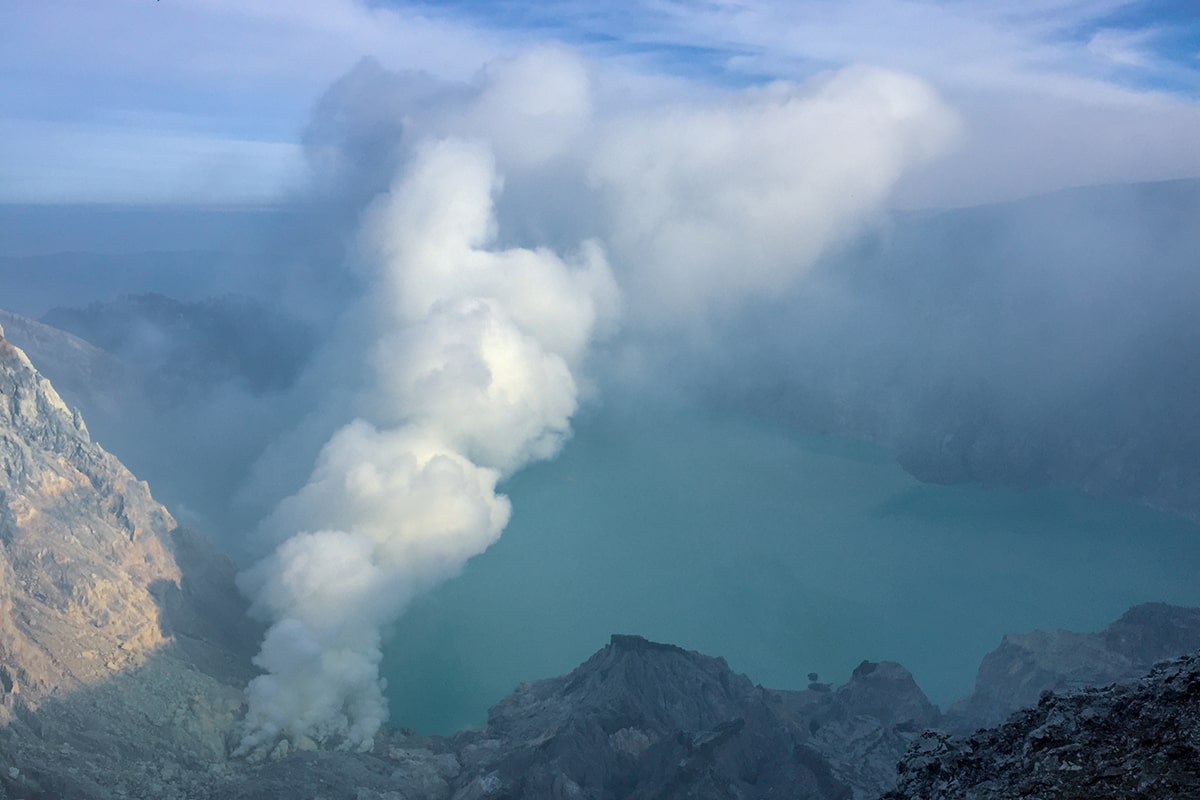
1139	739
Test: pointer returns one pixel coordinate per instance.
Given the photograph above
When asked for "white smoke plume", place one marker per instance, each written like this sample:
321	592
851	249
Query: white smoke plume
477	347
474	376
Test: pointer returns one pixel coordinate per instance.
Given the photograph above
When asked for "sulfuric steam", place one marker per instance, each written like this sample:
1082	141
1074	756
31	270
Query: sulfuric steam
476	347
473	376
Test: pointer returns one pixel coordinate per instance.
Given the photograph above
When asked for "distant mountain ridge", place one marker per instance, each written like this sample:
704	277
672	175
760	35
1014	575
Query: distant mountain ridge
180	346
86	376
1025	666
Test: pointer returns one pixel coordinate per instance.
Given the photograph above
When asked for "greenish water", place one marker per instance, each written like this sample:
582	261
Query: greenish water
784	554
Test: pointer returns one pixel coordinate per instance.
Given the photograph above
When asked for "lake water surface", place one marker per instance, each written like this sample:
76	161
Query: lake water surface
785	554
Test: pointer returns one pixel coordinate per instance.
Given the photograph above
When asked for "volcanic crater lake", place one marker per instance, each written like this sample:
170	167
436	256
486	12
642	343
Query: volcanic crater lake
784	553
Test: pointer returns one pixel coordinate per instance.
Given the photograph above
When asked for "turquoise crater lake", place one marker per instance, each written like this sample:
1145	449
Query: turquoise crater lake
786	554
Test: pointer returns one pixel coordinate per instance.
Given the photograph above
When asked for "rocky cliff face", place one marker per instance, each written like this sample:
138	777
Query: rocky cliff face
114	635
1024	666
1139	739
864	727
157	377
83	543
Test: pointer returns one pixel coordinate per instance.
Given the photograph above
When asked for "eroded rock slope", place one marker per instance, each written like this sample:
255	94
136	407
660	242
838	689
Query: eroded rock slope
122	640
1133	740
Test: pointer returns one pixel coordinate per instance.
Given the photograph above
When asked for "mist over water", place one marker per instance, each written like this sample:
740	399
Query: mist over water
783	553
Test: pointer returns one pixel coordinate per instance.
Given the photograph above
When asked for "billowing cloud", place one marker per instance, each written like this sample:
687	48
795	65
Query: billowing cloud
718	202
241	75
470	346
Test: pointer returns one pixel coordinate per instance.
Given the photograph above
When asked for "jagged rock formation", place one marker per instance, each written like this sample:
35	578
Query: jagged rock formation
1016	673
157	377
641	719
864	727
120	635
1139	739
83	542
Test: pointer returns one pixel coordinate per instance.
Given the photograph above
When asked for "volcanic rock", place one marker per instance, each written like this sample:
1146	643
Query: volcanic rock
645	720
1024	666
1137	739
864	727
122	641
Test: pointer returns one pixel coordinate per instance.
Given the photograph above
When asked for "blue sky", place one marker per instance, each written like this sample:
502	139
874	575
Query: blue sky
206	100
1144	45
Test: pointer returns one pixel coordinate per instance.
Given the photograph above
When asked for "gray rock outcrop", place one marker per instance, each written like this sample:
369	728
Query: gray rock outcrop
642	719
1130	740
1024	666
864	727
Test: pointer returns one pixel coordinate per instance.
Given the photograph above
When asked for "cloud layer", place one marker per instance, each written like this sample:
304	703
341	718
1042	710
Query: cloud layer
227	83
